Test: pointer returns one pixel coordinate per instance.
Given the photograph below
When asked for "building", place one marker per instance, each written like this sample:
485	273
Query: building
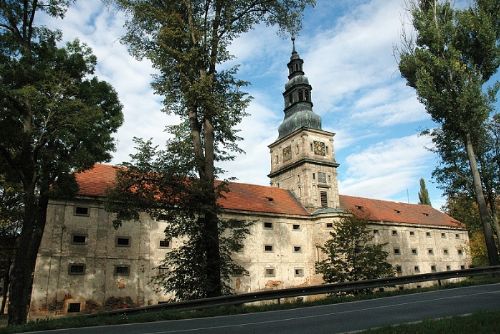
85	264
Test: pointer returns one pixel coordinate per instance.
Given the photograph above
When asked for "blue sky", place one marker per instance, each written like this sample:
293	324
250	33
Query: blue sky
347	47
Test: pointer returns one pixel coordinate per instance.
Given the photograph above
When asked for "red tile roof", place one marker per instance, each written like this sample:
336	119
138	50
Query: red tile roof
244	197
396	212
266	199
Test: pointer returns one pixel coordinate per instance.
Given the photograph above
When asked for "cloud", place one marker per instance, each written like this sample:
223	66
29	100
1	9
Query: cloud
386	168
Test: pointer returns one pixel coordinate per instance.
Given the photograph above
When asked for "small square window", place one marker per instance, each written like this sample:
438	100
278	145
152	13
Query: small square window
268	248
457	236
460	252
123	241
329	225
428	234
375	232
448	267
270	272
268	226
416	269
443	235
165	243
299	272
122	270
297	249
74	307
462	267
399	269
162	270
76	269
430	251
78	239
433	268
397	251
414	251
394	232
296	227
445	251
412	233
81	211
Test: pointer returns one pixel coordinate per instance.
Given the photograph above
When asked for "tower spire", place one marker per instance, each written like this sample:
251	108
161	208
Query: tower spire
293	43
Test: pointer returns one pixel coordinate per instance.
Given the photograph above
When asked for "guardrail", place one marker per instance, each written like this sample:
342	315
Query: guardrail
305	291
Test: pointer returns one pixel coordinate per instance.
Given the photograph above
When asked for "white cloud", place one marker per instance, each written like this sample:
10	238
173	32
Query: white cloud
386	168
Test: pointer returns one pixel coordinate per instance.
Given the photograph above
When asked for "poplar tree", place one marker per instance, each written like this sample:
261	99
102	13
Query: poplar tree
423	194
453	56
187	41
56	118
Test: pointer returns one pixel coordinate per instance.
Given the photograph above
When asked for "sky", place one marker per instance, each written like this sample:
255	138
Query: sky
348	52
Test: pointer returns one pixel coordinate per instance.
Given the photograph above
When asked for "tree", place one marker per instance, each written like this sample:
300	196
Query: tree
351	255
56	118
423	194
161	184
454	55
186	42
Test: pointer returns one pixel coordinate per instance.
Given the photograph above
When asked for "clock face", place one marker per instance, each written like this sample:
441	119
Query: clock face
287	153
319	148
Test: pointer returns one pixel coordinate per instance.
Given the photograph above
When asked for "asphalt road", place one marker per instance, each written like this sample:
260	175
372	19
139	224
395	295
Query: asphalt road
337	318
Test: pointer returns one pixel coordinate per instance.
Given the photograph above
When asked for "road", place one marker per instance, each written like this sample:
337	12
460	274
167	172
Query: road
337	318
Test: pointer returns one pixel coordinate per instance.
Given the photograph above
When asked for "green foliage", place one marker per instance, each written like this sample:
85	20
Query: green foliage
56	118
350	254
449	63
155	182
423	194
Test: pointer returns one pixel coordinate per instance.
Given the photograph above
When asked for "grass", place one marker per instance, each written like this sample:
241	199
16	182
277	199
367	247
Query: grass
481	322
101	319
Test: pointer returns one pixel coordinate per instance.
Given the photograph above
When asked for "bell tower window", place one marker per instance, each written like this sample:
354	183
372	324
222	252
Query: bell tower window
324	199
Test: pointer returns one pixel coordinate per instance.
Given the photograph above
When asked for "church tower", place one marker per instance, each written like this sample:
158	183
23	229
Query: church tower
302	158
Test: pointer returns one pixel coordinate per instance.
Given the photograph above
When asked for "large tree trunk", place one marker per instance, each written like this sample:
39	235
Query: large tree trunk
25	259
6	283
484	214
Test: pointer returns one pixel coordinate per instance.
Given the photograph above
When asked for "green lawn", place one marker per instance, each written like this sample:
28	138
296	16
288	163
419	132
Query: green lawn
481	322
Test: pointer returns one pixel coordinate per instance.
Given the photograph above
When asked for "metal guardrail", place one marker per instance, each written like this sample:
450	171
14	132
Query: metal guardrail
304	291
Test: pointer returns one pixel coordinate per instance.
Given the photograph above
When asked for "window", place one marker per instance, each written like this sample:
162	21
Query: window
329	225
457	236
81	211
268	248
270	272
412	233
397	251
297	249
460	252
296	226
430	251
448	267
311	151
433	268
73	307
122	270
123	241
268	226
321	177
416	269
162	270
78	239
324	199
394	232
462	267
399	269
165	243
299	272
375	232
443	235
445	251
428	234
76	269
414	251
